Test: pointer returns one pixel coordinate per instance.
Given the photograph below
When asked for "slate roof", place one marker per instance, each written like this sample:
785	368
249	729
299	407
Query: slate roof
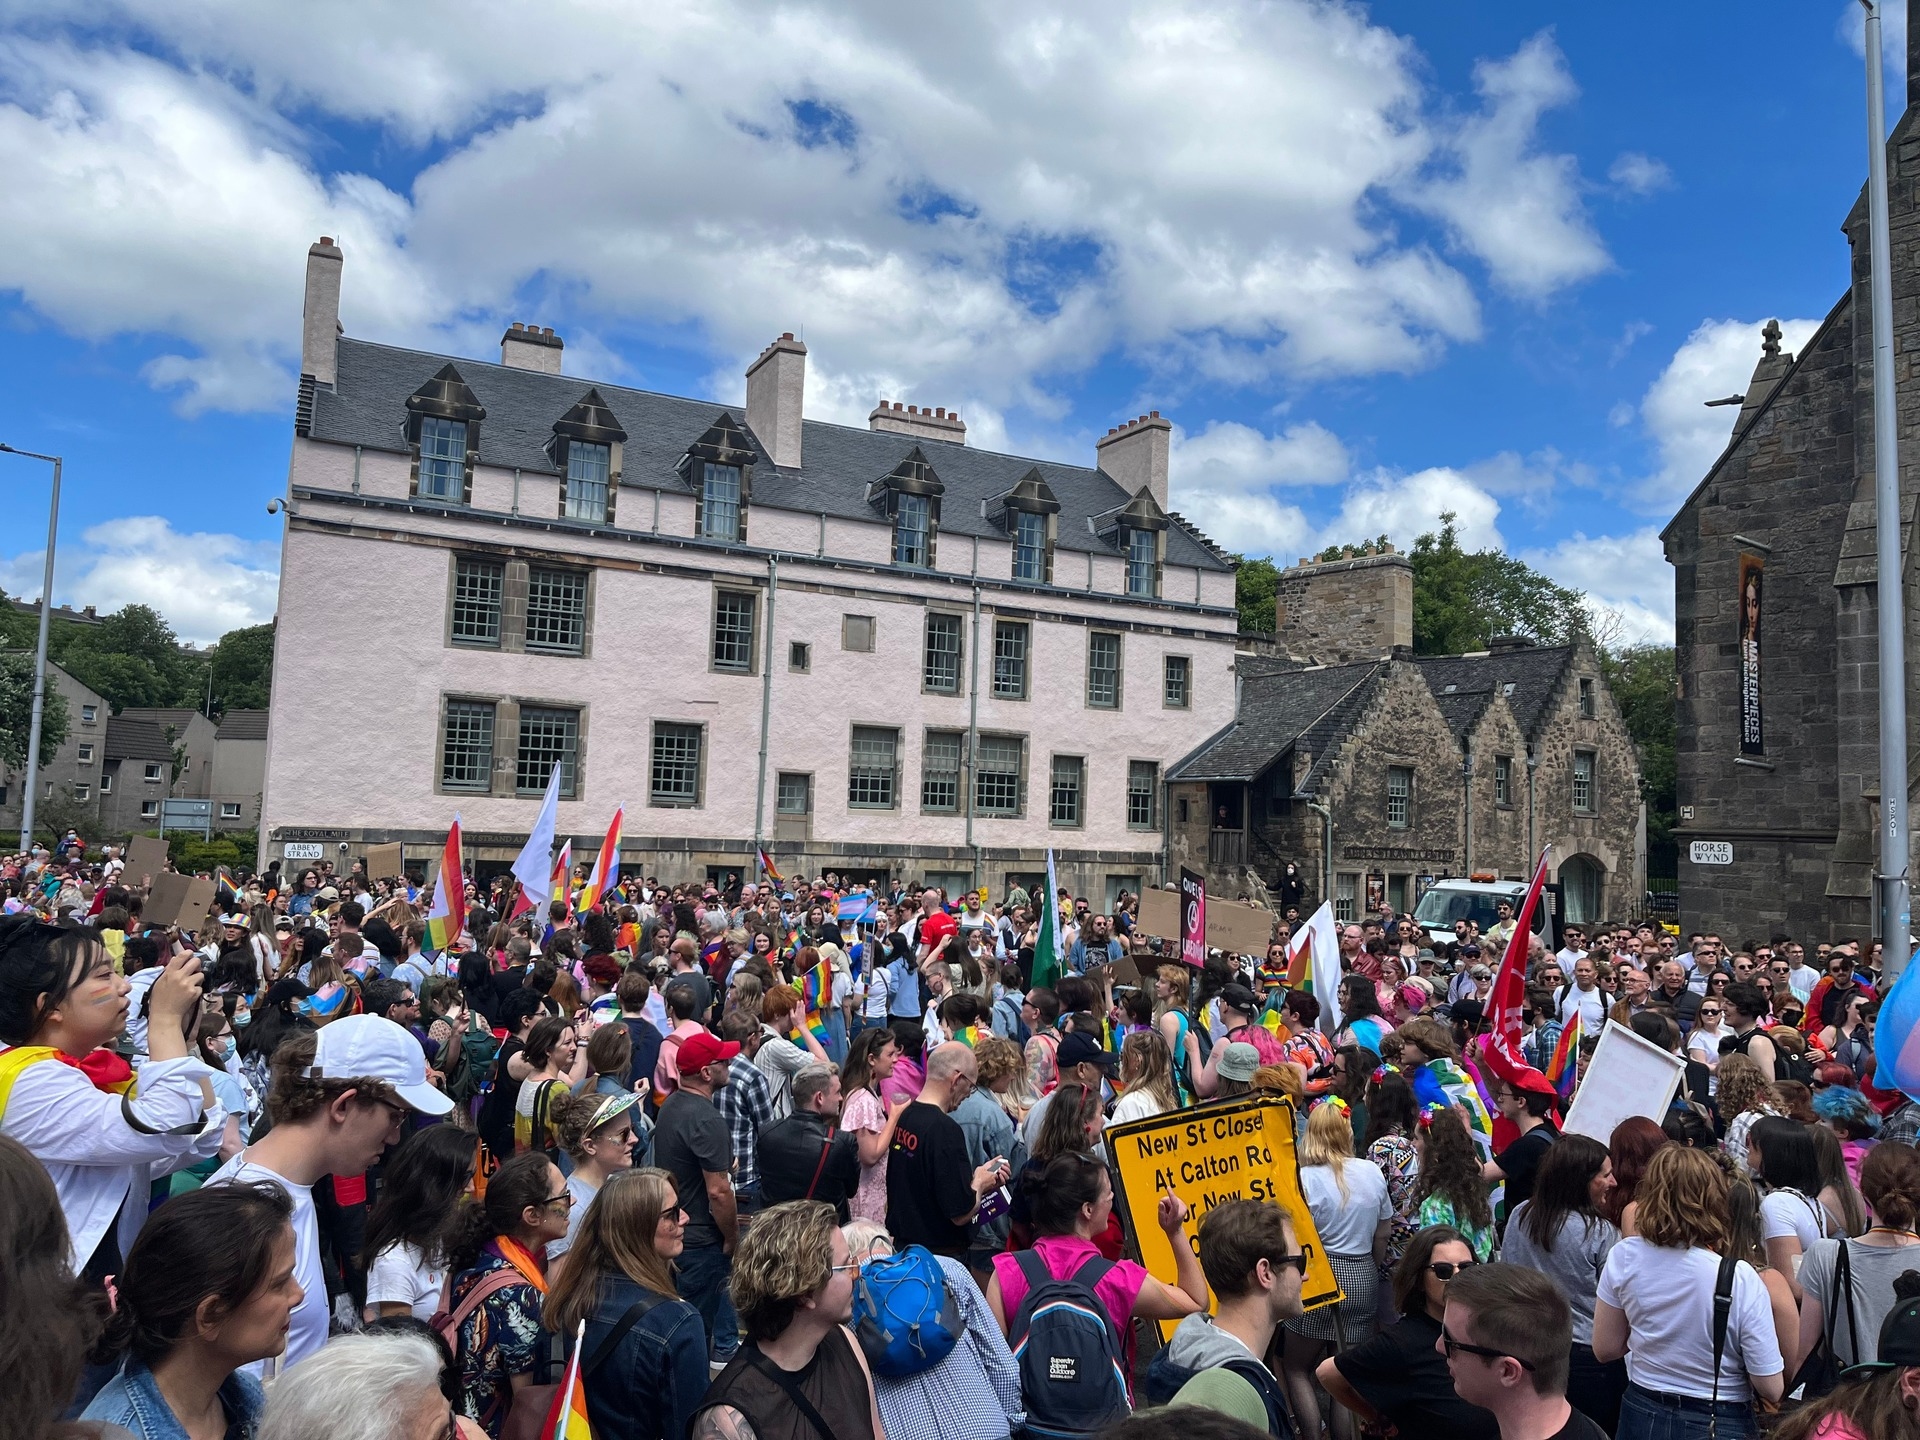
243	725
135	740
1532	671
1279	709
367	407
179	718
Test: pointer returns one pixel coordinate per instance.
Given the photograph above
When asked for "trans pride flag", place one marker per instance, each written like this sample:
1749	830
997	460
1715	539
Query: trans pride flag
1897	1051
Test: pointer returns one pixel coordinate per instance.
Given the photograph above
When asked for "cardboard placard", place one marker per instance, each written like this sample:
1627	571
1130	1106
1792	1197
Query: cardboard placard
1208	1155
1231	926
1627	1076
181	900
383	862
145	856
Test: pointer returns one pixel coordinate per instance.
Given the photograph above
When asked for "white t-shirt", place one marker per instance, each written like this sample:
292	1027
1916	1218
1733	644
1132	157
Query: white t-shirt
583	1194
1787	1212
1134	1105
1667	1296
308	1329
878	989
1801	979
1590	1004
1346	1226
400	1275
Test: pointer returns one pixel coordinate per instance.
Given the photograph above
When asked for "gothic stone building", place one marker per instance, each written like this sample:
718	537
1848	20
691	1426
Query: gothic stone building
1777	726
1413	769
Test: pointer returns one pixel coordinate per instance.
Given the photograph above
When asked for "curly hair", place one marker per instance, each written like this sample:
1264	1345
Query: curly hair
1450	1168
1743	1086
1683	1201
1286	1079
782	1259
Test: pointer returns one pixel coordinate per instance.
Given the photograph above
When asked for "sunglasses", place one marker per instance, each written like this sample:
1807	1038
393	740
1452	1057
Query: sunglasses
1452	1345
1447	1269
564	1198
1280	1262
1707	1014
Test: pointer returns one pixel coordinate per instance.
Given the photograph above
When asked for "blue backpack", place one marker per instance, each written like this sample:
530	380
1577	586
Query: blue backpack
1071	1375
903	1315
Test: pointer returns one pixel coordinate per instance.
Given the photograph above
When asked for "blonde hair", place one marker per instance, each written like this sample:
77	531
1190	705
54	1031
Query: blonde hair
1179	981
1742	1085
783	1258
1145	1057
1286	1078
616	1233
1682	1200
1329	1142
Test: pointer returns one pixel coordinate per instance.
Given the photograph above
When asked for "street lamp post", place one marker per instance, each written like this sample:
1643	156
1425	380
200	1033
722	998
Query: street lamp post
1892	892
40	652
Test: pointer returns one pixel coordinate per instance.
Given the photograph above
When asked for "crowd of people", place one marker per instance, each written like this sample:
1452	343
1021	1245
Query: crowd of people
826	1158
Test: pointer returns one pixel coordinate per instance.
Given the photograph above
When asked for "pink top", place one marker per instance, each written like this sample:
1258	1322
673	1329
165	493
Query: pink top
1063	1255
1838	1427
904	1083
864	1111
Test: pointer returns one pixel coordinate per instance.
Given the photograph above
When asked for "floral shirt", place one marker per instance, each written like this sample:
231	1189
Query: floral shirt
1400	1163
1438	1210
499	1340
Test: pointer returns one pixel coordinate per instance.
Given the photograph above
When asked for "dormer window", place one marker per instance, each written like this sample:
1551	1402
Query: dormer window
1143	563
912	519
443	430
443	458
1028	514
1138	530
1029	546
586	448
720	502
718	469
909	495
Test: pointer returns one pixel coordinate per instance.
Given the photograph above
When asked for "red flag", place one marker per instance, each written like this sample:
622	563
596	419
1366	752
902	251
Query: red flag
99	900
1509	994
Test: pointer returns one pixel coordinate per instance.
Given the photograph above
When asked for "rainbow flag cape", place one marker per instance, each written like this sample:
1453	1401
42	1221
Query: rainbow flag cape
816	993
446	917
1460	1089
1566	1058
567	1420
766	865
968	1035
606	865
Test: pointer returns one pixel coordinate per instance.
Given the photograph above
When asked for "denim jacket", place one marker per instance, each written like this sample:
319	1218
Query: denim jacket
650	1386
133	1399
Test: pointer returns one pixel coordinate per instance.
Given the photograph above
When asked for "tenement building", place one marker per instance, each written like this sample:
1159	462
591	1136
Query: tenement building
876	650
1776	609
1375	772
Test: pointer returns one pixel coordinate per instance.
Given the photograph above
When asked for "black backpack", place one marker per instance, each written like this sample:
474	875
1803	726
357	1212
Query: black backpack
1069	1357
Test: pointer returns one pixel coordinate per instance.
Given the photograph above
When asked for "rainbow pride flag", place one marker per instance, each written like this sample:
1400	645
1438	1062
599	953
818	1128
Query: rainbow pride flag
446	917
560	887
225	893
1460	1089
766	866
567	1420
1566	1058
816	993
606	865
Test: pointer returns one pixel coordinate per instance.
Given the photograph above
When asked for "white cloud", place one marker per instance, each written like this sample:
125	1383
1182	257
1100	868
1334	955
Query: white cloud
968	205
1628	583
1639	174
1517	209
1716	361
204	584
1850	24
1231	456
1403	507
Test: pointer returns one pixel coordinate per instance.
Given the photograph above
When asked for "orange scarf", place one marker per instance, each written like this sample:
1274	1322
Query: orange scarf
522	1259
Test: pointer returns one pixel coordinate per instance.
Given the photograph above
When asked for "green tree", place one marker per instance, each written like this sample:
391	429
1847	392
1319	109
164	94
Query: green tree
132	657
16	713
1643	681
243	669
1462	598
1255	584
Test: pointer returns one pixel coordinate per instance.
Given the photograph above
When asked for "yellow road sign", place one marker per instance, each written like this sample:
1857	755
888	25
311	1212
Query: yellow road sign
1208	1155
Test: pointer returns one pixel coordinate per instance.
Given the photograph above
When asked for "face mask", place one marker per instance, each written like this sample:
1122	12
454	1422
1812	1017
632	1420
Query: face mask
242	1016
223	1047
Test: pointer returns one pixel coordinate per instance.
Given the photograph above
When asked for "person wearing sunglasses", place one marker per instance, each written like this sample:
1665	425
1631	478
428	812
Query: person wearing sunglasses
1254	1266
1399	1377
1505	1333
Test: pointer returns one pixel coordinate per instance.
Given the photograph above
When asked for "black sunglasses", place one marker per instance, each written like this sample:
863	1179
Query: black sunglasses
1447	1269
1452	1345
1280	1262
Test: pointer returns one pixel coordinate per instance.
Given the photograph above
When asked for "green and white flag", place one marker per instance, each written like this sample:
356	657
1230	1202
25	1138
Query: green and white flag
1048	963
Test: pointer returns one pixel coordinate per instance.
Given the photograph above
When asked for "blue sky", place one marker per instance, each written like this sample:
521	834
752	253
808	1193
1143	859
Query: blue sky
1374	261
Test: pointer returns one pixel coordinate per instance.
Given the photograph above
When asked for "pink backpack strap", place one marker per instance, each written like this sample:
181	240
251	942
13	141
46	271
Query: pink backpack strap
448	1324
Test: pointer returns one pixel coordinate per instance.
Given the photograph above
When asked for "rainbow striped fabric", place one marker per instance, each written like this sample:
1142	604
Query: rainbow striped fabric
1566	1058
816	993
446	917
606	865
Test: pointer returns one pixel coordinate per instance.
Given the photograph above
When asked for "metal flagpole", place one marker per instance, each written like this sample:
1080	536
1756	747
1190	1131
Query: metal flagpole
39	655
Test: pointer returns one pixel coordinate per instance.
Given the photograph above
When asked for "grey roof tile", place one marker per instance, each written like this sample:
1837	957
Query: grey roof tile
135	740
1532	672
1281	708
367	406
243	725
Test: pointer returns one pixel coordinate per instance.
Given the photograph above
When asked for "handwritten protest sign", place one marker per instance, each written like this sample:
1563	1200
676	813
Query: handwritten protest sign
1627	1076
1231	926
1208	1155
145	856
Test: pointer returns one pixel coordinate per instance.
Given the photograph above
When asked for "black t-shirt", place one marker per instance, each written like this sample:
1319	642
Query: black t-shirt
929	1181
691	1141
1521	1161
1578	1427
1402	1375
496	1111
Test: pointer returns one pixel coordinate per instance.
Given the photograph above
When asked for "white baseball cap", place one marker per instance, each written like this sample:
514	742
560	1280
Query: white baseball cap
374	1047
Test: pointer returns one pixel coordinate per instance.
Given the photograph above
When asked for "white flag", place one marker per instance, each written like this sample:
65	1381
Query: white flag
1322	937
534	867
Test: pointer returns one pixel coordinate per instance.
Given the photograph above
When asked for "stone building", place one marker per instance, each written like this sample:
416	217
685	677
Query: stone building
139	771
239	769
872	650
70	786
1777	742
1409	769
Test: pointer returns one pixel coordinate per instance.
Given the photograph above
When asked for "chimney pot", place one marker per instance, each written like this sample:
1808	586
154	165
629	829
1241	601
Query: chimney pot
1153	414
326	239
786	334
941	412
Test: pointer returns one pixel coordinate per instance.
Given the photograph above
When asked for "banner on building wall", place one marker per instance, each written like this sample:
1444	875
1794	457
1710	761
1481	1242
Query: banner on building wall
1752	573
1193	917
1376	891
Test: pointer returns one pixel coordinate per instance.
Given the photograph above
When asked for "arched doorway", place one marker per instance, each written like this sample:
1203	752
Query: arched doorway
1583	884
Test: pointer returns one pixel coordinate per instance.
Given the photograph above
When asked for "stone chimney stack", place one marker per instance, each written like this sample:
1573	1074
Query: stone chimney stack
1767	375
528	347
320	318
1135	454
776	387
924	423
1354	604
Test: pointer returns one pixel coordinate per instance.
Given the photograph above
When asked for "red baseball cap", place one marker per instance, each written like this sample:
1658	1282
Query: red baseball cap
699	1051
